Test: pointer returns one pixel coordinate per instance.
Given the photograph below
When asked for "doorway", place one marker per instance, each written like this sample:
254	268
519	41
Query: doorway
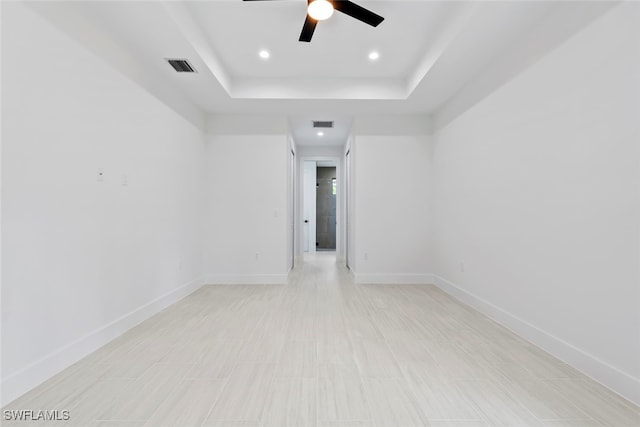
308	230
320	206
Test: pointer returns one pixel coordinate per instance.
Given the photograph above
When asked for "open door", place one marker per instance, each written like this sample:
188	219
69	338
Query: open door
347	184
309	207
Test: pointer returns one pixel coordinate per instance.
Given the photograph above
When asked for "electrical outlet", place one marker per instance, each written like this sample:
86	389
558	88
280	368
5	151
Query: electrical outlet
366	256
257	256
125	180
462	267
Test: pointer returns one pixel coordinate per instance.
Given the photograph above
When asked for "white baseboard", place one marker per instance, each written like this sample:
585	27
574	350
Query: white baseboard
393	279
17	384
246	279
611	377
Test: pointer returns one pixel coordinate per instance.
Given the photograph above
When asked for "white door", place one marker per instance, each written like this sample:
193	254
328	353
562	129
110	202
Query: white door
292	195
347	183
309	207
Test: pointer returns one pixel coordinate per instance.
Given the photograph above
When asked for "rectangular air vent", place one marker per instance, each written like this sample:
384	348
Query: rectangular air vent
181	65
321	124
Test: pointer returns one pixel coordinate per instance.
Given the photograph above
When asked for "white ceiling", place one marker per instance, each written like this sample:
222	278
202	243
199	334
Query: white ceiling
238	30
301	126
429	51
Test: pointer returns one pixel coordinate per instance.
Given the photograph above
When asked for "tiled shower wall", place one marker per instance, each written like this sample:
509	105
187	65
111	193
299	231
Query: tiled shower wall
325	209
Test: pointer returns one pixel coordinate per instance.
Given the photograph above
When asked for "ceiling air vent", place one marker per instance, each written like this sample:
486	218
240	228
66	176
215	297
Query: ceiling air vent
181	65
321	124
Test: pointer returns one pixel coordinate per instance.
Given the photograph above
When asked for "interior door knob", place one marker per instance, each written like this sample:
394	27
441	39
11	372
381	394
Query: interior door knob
306	221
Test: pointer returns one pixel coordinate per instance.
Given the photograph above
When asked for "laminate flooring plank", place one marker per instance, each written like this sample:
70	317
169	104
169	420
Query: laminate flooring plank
245	394
392	404
292	403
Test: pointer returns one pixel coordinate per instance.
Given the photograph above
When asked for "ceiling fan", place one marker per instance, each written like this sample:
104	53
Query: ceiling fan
319	10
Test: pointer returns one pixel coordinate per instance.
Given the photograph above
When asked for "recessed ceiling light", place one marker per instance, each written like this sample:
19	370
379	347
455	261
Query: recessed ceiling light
374	55
320	133
264	54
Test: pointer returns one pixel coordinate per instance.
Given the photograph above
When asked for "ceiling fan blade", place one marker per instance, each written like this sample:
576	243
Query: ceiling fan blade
360	13
307	29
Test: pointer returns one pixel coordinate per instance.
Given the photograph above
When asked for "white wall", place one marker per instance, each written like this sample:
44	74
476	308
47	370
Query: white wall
520	53
392	125
391	209
246	209
537	192
85	260
1	224
90	31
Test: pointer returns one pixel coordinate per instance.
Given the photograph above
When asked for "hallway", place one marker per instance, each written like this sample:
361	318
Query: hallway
323	351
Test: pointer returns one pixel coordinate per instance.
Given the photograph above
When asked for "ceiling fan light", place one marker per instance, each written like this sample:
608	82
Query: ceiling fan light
320	10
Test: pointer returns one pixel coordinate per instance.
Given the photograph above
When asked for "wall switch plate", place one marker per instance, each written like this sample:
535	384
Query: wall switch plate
100	175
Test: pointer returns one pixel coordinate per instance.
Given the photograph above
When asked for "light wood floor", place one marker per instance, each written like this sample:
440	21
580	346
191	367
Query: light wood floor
322	351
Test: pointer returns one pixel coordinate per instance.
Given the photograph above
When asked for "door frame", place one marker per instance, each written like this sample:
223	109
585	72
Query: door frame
292	200
309	225
347	194
339	203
